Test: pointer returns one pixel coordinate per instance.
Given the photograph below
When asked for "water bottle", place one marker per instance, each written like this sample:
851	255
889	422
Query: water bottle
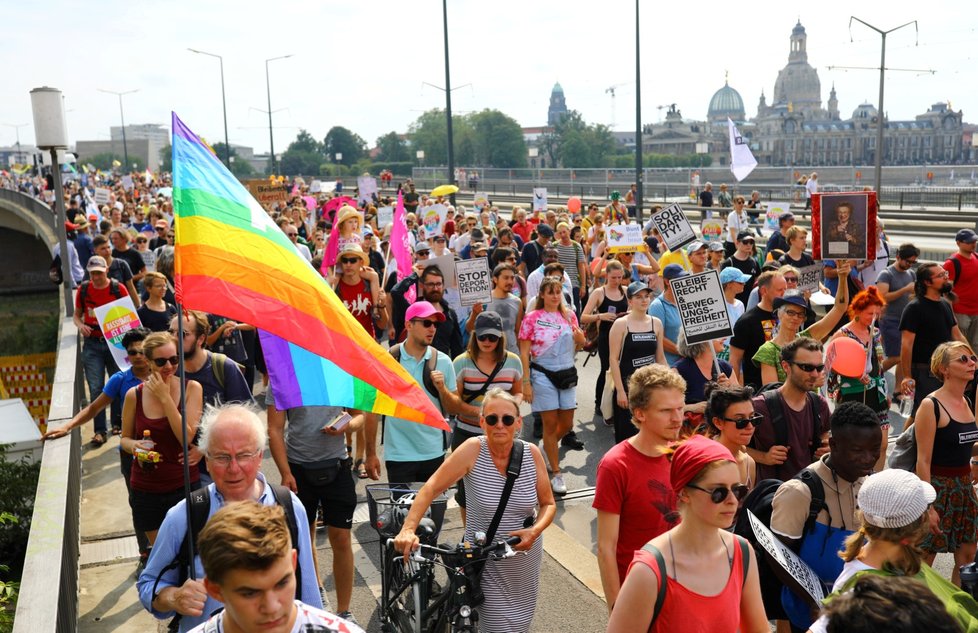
906	405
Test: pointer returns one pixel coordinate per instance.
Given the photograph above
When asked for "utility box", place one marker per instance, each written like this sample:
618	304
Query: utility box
19	431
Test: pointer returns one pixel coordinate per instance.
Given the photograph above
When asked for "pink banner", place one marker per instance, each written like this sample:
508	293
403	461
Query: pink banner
399	240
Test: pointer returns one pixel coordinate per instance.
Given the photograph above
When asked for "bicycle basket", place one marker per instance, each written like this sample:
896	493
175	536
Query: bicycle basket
389	505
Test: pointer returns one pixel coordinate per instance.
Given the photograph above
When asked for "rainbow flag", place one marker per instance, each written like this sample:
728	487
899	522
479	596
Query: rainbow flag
231	259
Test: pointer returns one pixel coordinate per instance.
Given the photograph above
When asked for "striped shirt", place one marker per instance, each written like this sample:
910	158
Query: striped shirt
472	380
569	256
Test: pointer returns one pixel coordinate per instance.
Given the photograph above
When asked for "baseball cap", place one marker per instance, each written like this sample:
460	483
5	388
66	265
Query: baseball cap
439	238
634	288
162	224
695	246
478	246
423	310
422	247
488	323
96	262
731	274
787	215
715	247
545	230
744	236
894	498
967	236
674	271
477	235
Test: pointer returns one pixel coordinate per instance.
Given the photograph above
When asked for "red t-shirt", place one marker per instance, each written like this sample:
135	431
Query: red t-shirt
635	487
357	299
95	297
523	230
967	287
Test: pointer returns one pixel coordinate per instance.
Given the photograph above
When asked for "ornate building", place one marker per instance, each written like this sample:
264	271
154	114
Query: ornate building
558	107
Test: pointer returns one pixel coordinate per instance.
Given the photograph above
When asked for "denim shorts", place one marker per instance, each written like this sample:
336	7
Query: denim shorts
892	337
546	397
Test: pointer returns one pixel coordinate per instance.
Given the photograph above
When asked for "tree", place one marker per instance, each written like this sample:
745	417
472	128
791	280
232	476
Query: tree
104	161
305	141
575	144
240	168
340	140
300	162
429	133
393	148
497	139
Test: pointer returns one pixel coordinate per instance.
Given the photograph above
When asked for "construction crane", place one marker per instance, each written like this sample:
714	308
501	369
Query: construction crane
611	90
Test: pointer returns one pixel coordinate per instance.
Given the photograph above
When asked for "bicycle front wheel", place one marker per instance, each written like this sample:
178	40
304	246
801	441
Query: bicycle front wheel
403	599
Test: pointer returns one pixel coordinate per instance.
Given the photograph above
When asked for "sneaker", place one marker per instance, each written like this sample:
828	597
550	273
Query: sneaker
558	485
346	615
570	441
325	598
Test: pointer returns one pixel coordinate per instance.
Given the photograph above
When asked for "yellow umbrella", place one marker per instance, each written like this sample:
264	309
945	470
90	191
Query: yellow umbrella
444	190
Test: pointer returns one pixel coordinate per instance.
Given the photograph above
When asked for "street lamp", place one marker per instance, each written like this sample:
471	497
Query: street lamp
125	148
268	89
51	133
638	120
448	102
227	147
16	127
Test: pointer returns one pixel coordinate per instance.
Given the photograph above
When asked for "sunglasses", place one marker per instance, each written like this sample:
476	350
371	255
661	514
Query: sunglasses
160	362
720	494
964	358
492	338
134	352
808	367
754	420
426	323
422	253
347	260
492	419
791	280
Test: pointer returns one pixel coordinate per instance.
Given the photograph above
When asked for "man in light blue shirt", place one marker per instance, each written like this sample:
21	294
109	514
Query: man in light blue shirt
233	438
664	308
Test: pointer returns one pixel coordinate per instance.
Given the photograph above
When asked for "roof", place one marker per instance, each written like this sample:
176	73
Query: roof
726	101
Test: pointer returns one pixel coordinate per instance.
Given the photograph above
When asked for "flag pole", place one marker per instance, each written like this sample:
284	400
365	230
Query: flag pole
182	372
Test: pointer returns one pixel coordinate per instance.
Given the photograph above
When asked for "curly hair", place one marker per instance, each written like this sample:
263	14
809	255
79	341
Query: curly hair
719	399
864	299
645	381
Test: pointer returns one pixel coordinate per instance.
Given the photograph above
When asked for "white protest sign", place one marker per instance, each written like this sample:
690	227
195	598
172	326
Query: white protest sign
385	215
473	281
446	264
702	308
625	238
480	201
772	212
115	319
674	227
808	278
711	230
432	218
540	199
127	182
102	195
315	186
366	186
787	566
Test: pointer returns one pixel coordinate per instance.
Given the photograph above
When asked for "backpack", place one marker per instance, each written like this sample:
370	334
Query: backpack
200	508
780	423
114	289
956	263
429	367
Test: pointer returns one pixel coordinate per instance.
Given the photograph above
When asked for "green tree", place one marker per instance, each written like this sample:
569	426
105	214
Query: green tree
393	148
429	133
497	139
305	141
576	144
340	140
299	162
240	168
104	161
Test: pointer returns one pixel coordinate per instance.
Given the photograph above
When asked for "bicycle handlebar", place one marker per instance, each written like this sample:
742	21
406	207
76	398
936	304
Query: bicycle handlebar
475	551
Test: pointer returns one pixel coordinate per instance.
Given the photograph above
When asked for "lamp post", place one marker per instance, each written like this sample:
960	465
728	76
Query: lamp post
448	102
268	89
52	134
224	105
122	116
638	120
17	127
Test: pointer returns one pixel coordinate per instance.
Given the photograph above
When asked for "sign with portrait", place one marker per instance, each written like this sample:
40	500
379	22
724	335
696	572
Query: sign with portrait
674	226
842	224
702	307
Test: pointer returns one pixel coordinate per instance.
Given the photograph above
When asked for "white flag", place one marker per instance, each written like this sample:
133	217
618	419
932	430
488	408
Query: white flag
742	162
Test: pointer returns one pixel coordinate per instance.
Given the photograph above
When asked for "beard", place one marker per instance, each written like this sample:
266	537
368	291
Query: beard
947	288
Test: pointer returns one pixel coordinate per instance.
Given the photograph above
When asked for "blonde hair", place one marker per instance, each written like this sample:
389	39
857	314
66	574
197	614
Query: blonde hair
152	276
155	341
908	537
942	356
244	535
499	394
647	380
794	231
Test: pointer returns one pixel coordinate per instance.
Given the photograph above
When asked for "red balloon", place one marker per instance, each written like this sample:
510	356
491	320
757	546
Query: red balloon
574	204
850	357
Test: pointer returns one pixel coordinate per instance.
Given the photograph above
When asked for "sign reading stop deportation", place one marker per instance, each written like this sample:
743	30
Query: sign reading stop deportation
474	281
702	308
808	277
115	319
674	227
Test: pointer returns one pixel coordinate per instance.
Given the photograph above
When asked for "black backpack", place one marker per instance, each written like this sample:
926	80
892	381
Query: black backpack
780	423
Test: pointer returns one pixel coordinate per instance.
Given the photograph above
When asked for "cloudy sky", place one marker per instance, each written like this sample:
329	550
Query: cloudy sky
362	64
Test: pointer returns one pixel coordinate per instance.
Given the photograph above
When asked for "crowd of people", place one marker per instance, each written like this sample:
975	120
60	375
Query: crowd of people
698	427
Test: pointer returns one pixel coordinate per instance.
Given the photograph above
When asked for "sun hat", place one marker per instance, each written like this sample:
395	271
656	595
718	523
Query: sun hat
894	498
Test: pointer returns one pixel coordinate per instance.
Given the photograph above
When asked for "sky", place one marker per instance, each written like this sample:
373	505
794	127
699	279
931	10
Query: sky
362	64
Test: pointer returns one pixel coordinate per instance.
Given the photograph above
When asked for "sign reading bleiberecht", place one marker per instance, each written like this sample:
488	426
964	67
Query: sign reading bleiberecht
115	319
674	227
702	308
266	192
474	281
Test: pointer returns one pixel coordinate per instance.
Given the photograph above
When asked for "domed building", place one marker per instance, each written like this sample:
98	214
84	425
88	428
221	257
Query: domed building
798	87
726	102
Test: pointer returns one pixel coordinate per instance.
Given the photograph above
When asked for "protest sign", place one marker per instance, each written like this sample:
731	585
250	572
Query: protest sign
446	264
787	566
315	186
432	219
127	182
625	238
115	319
842	224
480	201
473	281
102	195
540	199
808	278
702	308
674	227
711	230
385	215
367	187
773	210
266	192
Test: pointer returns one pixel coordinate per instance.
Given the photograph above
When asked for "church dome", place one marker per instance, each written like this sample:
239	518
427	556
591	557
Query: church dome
558	89
726	102
864	112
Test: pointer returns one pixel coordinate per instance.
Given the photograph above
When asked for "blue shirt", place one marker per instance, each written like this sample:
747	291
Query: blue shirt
668	313
833	284
120	383
406	441
170	537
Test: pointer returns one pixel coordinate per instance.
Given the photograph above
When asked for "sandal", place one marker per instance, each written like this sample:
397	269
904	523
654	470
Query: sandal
116	430
98	439
361	469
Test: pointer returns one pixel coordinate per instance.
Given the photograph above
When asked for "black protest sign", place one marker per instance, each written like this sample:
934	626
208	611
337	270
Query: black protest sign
702	307
674	227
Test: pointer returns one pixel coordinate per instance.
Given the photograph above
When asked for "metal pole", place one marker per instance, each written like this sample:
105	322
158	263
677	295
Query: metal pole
125	147
182	372
878	181
224	106
59	205
271	136
638	120
448	102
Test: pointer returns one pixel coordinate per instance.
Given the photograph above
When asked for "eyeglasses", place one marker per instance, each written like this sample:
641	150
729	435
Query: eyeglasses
426	323
964	358
491	338
160	362
795	313
347	260
434	284
225	459
720	494
791	280
941	275
135	352
422	253
492	419
753	420
808	367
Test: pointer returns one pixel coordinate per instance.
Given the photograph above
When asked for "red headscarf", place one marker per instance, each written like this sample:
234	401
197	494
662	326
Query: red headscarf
692	456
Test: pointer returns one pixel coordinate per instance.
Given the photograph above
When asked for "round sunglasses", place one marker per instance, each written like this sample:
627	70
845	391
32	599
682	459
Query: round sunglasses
492	419
719	495
964	358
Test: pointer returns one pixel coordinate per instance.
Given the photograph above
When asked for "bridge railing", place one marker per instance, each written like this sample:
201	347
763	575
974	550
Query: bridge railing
48	601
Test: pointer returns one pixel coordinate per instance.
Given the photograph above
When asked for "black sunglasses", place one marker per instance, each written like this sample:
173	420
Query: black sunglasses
492	419
720	494
492	338
426	323
347	260
160	362
134	352
964	358
754	420
809	367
